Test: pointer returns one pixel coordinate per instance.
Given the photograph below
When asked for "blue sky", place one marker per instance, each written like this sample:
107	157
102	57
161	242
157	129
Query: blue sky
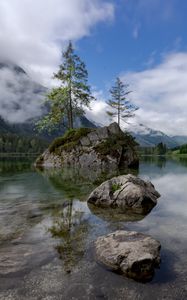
142	41
141	33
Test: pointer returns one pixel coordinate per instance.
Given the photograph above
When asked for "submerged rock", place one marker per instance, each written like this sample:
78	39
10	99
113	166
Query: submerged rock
106	147
126	192
134	254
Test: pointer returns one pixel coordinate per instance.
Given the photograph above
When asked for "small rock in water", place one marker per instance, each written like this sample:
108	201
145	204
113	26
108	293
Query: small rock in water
126	192
134	254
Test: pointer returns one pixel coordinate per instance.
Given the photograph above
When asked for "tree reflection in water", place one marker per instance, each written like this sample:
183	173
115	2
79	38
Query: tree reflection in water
70	226
71	229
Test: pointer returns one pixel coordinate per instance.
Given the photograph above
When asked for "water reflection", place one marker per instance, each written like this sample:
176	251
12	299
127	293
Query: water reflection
78	183
35	201
14	165
158	160
114	214
70	228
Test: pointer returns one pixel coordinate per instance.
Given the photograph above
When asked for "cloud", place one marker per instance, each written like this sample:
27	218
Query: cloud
97	113
136	31
20	97
161	94
33	33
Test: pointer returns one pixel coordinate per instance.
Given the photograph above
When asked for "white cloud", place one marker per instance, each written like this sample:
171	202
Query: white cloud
32	33
161	94
97	113
20	97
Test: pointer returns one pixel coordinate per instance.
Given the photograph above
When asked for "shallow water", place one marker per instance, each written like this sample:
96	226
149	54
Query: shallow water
47	233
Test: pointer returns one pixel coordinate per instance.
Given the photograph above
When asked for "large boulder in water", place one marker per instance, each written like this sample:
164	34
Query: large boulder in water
106	147
125	192
132	253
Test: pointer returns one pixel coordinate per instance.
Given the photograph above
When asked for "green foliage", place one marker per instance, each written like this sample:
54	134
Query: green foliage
71	230
115	187
69	99
56	101
108	147
69	140
159	149
113	145
13	143
121	106
183	149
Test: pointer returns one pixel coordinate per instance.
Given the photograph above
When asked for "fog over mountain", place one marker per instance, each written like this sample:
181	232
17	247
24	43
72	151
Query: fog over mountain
22	103
20	97
148	137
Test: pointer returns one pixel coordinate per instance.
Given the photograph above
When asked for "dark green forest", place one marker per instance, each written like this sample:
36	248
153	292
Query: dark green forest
13	143
183	149
159	149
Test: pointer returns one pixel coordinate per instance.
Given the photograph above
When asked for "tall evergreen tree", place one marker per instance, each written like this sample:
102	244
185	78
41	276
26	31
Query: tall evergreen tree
69	99
121	106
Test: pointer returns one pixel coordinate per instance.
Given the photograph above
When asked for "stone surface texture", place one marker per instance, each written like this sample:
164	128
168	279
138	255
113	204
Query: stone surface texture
134	254
126	192
87	154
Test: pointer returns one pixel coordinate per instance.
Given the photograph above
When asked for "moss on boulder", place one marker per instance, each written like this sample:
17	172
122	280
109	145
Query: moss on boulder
102	147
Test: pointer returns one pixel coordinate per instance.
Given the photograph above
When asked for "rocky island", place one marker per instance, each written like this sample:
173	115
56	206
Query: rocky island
105	147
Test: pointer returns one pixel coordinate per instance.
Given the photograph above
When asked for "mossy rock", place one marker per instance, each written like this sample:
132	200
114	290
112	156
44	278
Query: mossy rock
69	140
100	147
113	145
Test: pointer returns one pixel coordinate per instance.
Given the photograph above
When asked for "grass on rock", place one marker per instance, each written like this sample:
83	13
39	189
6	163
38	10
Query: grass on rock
69	140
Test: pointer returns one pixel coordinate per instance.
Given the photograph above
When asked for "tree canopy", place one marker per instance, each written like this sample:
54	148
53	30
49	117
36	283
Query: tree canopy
121	107
70	98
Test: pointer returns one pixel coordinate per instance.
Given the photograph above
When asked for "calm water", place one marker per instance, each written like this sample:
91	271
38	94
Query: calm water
47	233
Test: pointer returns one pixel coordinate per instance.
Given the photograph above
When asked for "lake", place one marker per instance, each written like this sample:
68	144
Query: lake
47	233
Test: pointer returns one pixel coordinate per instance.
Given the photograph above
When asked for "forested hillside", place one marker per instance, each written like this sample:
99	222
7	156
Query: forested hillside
13	143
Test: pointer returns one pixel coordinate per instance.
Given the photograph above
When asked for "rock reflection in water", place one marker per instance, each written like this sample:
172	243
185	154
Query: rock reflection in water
78	183
115	214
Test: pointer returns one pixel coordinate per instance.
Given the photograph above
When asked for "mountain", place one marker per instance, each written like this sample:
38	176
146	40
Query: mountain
21	103
4	126
21	98
13	67
180	139
148	137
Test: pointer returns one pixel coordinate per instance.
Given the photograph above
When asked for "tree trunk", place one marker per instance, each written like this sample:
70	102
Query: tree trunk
119	109
70	114
118	116
70	106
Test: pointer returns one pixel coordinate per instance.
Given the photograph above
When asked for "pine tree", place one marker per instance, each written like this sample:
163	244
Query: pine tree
121	107
69	99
